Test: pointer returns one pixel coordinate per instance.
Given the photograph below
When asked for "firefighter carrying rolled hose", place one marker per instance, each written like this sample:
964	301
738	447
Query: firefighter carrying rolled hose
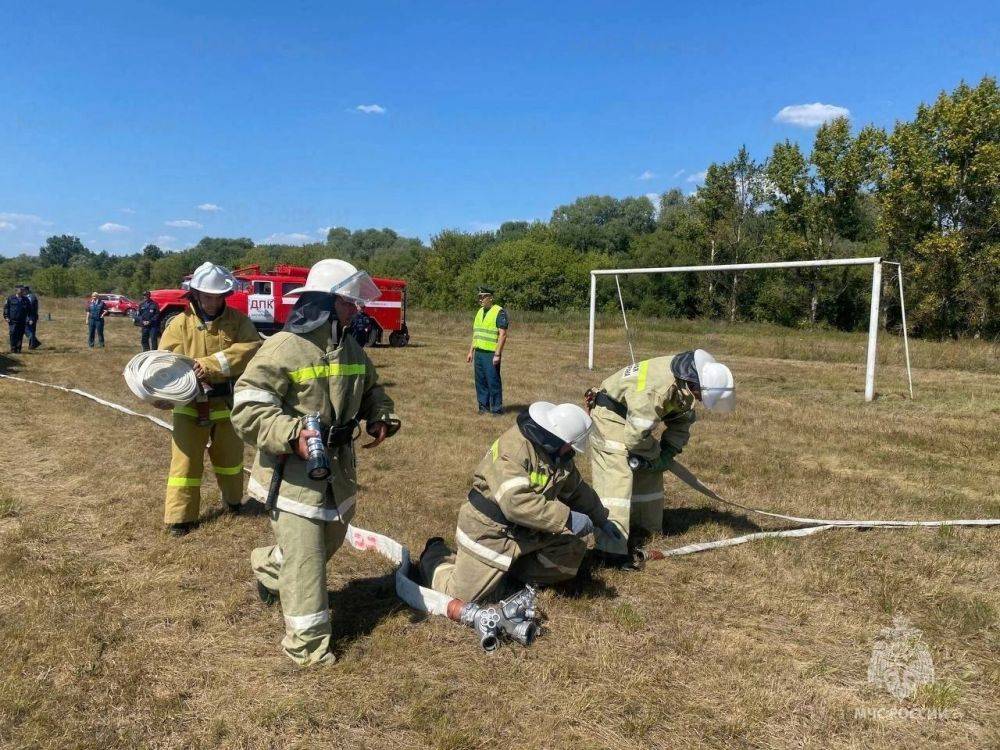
221	341
313	370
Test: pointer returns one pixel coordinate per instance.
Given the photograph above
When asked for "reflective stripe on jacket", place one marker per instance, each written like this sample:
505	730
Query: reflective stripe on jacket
298	374
485	333
653	397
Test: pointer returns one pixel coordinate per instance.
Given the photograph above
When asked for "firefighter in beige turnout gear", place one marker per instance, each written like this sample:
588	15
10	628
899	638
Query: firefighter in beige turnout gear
642	419
221	341
529	512
313	366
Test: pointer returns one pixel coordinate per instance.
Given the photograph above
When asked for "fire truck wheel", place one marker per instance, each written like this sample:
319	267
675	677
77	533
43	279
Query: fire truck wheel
165	320
399	338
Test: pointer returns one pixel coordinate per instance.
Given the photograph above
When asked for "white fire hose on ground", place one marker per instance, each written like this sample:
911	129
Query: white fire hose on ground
491	621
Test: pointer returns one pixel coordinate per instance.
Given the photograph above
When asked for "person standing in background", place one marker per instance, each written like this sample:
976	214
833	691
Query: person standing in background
15	312
148	319
31	324
489	336
96	311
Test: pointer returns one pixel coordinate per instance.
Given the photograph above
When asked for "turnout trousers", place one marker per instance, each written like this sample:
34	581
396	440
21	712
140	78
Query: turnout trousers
187	461
491	557
634	499
295	567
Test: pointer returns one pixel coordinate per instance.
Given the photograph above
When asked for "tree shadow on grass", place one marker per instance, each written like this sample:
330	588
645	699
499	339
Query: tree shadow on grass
678	521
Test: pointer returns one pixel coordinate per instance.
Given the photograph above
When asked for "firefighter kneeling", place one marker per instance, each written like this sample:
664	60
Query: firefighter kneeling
529	512
313	369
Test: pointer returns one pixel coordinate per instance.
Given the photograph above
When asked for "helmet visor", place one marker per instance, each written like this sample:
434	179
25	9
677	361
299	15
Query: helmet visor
358	287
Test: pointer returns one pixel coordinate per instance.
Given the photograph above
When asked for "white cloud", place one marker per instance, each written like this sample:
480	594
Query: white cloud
7	226
210	207
370	109
109	227
323	231
484	226
287	238
127	210
677	174
698	177
647	175
810	115
24	218
183	224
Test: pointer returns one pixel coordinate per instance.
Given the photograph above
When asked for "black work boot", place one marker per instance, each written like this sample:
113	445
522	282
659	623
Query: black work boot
180	529
234	509
268	596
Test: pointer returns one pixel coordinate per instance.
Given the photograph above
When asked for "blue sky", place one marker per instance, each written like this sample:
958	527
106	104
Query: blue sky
119	120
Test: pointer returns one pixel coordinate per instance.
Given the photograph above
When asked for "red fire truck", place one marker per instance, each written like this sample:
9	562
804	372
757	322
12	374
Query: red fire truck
263	297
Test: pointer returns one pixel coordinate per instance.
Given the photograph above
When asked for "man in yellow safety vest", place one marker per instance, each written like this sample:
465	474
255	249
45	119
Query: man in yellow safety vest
489	335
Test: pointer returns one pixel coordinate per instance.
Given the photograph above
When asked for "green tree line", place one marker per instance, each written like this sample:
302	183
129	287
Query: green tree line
926	194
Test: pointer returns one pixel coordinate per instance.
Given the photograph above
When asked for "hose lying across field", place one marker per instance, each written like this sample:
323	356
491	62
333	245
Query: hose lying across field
435	603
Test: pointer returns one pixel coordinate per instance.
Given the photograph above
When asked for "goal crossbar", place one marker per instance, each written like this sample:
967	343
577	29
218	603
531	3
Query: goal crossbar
876	296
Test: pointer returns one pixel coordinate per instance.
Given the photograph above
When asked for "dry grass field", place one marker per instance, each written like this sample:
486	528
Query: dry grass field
114	635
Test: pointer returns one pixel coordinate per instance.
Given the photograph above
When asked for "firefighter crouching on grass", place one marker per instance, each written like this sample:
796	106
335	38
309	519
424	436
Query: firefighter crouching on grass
529	512
642	419
221	341
314	366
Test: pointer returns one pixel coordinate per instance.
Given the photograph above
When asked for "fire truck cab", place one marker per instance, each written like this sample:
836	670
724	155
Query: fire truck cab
263	296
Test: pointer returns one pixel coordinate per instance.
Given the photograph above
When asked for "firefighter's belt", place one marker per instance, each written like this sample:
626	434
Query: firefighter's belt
603	399
488	508
219	390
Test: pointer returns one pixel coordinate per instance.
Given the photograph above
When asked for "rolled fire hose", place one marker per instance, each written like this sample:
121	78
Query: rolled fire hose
162	376
433	602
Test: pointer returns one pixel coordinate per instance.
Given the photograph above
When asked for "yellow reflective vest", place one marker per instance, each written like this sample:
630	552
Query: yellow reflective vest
485	333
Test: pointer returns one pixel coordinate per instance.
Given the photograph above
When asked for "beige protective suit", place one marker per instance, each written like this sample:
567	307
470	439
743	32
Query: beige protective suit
656	428
223	347
294	375
519	482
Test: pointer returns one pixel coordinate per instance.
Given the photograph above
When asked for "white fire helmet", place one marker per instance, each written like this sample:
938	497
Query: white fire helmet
566	421
212	279
718	389
335	276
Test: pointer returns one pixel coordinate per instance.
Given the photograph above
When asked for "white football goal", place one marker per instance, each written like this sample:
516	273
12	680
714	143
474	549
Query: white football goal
873	319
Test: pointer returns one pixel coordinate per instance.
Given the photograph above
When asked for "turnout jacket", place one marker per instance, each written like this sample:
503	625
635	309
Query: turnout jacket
223	346
535	494
295	374
653	396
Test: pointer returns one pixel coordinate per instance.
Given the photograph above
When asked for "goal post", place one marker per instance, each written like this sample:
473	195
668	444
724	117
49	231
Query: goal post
873	320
